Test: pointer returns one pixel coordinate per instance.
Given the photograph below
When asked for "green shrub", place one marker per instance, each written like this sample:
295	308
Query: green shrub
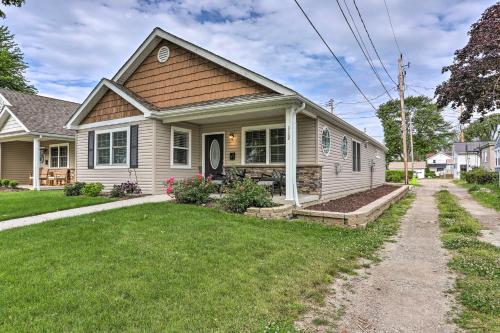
92	189
117	192
474	188
194	190
13	183
396	176
5	182
480	176
73	190
429	173
244	194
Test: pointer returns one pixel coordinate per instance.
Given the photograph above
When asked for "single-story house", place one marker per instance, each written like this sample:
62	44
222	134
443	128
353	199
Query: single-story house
418	167
176	109
487	156
497	151
33	140
441	163
465	156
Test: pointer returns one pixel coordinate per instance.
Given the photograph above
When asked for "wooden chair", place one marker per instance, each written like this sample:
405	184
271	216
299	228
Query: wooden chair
61	177
44	175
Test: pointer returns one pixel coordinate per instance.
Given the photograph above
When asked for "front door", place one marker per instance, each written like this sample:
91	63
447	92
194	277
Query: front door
214	154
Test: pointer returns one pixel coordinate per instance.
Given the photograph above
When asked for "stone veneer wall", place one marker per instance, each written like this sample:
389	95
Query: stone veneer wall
308	176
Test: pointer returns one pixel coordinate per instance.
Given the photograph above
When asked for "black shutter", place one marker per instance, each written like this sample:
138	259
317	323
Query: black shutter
91	148
134	146
353	156
359	156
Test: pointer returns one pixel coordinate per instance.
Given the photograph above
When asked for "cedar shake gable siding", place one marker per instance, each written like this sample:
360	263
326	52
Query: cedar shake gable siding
111	106
186	78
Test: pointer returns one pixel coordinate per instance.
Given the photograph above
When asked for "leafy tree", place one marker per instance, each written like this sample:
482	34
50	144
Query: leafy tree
474	83
482	129
12	65
430	131
17	3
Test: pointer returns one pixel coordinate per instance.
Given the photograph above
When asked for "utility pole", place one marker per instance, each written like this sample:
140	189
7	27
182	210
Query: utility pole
412	112
331	105
403	118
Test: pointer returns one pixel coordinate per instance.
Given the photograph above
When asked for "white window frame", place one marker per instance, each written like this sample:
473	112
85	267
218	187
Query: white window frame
183	130
111	165
342	147
497	156
267	128
330	141
58	156
359	153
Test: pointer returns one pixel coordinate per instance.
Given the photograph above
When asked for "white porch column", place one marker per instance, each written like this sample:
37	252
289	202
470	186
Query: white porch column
36	164
290	166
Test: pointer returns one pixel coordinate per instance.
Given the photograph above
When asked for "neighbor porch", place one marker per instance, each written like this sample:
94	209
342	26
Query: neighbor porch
38	162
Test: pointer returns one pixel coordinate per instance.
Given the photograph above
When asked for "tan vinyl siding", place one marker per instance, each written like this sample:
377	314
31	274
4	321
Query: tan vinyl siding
11	125
348	181
17	161
111	176
162	156
306	140
111	106
186	78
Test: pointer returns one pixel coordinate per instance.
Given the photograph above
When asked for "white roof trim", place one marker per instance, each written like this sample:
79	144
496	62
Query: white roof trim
5	100
7	111
95	96
155	37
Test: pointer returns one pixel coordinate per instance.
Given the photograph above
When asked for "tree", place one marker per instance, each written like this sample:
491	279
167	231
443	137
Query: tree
474	83
482	129
17	3
12	65
431	132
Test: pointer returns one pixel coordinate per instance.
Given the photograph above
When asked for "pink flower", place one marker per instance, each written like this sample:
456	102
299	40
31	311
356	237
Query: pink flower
169	190
199	176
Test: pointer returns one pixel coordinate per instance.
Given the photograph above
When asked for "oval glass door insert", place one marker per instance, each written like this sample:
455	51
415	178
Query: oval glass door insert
214	154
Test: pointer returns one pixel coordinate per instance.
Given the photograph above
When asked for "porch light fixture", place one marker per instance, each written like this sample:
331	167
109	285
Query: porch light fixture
231	136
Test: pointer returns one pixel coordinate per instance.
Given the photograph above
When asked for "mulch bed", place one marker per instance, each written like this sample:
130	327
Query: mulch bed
354	201
8	189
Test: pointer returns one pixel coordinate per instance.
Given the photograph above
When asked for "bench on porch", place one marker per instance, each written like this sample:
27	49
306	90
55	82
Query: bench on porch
53	177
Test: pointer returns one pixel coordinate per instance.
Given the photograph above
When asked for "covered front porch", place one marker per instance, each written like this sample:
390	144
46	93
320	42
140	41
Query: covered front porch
256	141
37	161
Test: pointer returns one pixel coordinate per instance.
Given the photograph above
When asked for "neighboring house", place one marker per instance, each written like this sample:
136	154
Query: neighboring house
176	109
487	156
465	157
33	137
418	168
441	163
497	151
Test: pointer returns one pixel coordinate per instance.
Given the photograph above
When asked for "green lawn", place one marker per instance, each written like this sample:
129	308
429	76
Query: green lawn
491	200
28	203
477	264
176	268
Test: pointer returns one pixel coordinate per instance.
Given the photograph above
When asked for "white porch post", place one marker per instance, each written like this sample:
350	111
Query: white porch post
36	164
291	154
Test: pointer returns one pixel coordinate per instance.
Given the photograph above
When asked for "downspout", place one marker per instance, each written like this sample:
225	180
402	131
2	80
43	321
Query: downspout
294	156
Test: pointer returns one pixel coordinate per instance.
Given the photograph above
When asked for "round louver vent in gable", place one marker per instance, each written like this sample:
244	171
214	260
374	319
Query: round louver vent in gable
163	54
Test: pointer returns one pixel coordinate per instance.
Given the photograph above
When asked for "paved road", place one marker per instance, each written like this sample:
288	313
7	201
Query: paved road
406	292
488	217
24	221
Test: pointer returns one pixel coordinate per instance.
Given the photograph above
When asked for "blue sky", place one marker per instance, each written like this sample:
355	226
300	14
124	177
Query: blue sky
71	45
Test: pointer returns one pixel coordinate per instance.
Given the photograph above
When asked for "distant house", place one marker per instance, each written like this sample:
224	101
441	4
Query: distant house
497	150
465	156
418	167
33	140
441	163
487	156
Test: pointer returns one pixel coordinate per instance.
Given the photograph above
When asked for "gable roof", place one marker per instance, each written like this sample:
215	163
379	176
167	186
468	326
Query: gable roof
158	34
467	147
39	114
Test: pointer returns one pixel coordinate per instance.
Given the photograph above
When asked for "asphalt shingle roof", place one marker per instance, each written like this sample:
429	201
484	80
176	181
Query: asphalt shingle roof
40	114
463	147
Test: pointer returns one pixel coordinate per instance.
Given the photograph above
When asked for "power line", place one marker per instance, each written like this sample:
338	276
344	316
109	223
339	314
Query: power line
392	27
367	57
371	42
333	54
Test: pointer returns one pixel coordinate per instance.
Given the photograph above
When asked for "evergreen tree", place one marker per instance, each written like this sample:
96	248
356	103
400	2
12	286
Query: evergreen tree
12	65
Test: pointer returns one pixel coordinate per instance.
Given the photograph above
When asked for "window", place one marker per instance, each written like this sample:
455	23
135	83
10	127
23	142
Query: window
58	156
377	153
497	153
264	145
326	141
485	156
345	147
112	147
181	148
356	156
278	145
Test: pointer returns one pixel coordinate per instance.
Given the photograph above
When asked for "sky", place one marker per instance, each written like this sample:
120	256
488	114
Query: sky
70	45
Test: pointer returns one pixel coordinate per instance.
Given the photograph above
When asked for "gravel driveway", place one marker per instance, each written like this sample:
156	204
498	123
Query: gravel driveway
406	292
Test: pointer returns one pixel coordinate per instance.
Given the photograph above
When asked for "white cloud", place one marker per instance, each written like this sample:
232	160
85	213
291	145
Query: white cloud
70	45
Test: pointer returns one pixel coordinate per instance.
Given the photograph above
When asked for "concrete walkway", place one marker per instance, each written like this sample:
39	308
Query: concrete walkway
488	217
24	221
405	292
